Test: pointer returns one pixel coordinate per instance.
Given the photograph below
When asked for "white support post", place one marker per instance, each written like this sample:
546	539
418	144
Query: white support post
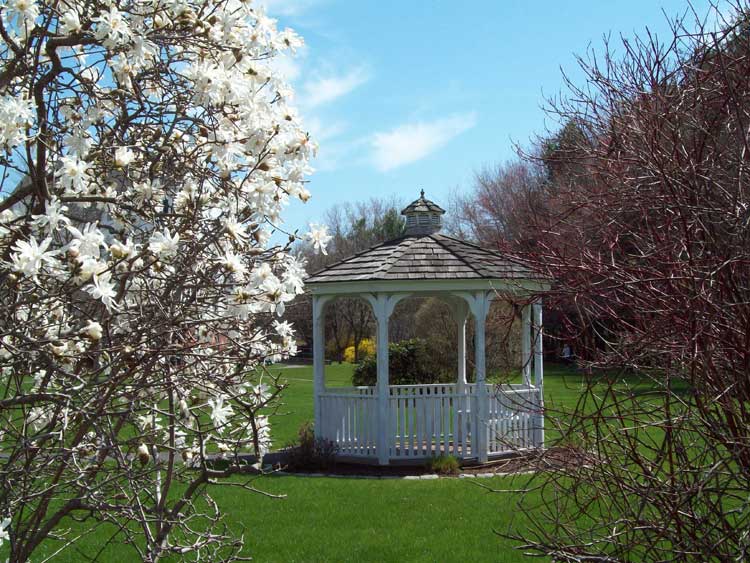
461	314
382	343
538	374
319	349
382	305
480	317
526	345
479	303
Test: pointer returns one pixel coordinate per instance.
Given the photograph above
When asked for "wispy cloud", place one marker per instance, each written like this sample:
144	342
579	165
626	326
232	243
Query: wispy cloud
288	67
289	7
413	141
325	129
325	89
339	153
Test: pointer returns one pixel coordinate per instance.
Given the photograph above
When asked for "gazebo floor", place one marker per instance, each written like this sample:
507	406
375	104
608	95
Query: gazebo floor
414	455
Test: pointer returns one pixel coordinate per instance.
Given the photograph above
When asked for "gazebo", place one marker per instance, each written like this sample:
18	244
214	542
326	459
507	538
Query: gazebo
387	423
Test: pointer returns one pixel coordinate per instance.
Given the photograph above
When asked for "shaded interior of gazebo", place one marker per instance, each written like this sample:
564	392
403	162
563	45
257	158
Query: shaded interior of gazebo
478	421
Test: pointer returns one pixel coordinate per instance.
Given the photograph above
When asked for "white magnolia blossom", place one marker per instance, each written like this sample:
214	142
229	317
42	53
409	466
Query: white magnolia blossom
88	267
283	328
54	216
121	250
70	22
148	422
29	256
86	242
123	157
40	417
264	433
16	113
319	237
4	524
220	412
104	290
262	393
23	13
141	287
234	263
112	28
74	175
93	330
164	244
143	454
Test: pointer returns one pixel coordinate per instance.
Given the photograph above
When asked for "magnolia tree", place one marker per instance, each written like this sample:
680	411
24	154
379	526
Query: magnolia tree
147	151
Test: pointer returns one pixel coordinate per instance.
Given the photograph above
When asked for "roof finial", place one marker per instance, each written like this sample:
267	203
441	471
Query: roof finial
423	217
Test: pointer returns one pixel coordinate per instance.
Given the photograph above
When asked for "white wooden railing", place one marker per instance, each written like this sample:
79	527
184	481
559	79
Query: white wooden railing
513	419
427	420
349	417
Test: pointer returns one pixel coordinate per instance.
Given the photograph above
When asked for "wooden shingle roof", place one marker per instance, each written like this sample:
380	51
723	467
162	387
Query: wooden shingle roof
422	205
423	257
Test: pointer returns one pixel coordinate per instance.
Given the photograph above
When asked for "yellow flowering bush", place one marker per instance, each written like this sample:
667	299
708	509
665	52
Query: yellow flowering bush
366	348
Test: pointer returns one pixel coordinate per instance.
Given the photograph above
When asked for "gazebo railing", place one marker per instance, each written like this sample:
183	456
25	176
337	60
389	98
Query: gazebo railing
349	417
429	420
512	419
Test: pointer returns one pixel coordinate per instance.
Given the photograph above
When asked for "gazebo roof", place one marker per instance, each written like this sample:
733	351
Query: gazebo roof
421	205
432	256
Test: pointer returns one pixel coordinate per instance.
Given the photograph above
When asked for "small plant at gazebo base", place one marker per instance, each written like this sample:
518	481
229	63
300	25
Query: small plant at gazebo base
444	465
309	452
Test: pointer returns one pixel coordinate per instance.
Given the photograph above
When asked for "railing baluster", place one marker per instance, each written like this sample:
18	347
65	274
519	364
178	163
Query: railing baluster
418	421
446	423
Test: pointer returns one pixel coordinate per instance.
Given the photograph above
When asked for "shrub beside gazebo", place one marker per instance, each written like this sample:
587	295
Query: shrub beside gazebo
396	423
409	362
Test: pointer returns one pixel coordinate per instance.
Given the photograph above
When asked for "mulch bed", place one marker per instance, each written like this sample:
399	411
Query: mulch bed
523	462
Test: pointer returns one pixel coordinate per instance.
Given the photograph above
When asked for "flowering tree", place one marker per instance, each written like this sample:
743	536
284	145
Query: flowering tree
147	149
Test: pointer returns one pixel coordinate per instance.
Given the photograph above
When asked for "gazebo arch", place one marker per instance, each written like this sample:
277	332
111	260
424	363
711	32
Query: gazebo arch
393	423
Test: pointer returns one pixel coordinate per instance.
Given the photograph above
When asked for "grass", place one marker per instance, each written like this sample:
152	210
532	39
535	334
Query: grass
345	519
326	519
383	520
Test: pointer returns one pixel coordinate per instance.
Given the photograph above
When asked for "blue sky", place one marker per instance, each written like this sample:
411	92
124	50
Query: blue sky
403	95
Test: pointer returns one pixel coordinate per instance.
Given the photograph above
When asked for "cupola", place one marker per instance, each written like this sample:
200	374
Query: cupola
423	217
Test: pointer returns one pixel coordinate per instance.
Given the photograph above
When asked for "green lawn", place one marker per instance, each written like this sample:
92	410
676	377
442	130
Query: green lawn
378	520
339	519
345	519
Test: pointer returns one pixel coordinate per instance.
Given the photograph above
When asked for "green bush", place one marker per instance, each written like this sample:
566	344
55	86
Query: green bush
310	452
410	362
444	465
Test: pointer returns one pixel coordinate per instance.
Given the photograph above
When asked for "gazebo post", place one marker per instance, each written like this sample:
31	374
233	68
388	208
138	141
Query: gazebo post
382	305
538	374
461	314
526	345
480	305
319	348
